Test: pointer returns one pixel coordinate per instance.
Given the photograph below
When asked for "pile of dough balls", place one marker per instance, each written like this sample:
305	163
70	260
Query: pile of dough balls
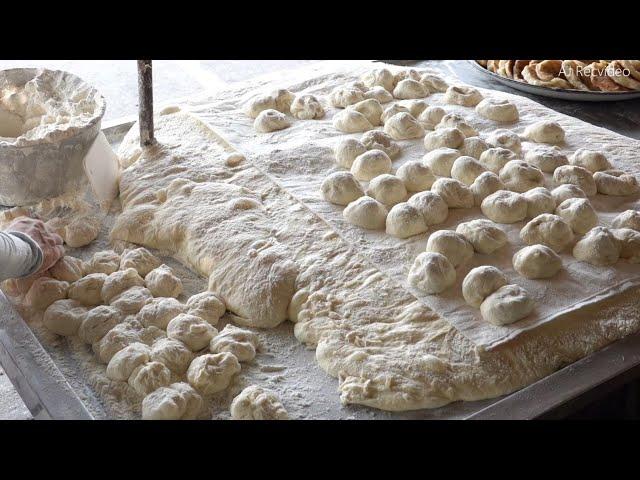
270	111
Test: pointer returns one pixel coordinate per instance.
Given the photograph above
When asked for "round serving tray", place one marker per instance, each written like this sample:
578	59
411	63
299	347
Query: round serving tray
564	94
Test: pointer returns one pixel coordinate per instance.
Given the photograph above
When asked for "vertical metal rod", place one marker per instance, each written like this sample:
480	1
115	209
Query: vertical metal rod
145	101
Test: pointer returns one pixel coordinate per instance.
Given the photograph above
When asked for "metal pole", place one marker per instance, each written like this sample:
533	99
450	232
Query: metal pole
145	99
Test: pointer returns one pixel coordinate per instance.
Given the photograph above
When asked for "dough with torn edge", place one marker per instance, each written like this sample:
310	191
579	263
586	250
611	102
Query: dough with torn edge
257	403
239	341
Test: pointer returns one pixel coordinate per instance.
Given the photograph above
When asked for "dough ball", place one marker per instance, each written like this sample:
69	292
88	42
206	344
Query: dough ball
123	363
627	219
578	213
366	212
404	221
494	159
547	229
270	121
371	109
539	201
163	404
431	206
433	83
238	341
452	245
82	231
259	103
212	373
566	191
484	185
519	176
105	262
578	176
63	317
455	193
431	273
206	305
140	259
503	138
504	206
350	121
371	164
590	159
404	74
283	98
416	176
481	282
193	331
615	182
402	126
341	188
545	157
67	269
44	291
474	147
118	282
123	334
342	97
537	261
629	241
173	354
193	400
97	322
506	305
296	305
158	312
347	151
393	110
132	300
462	95
149	377
483	235
466	169
379	140
430	117
498	110
162	282
306	107
409	88
256	403
379	94
88	290
440	160
387	189
598	247
379	77
443	138
453	120
544	131
416	107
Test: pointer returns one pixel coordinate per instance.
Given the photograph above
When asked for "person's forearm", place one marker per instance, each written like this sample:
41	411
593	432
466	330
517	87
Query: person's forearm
19	255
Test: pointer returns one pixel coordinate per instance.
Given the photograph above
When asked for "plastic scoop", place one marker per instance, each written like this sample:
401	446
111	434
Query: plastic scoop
102	167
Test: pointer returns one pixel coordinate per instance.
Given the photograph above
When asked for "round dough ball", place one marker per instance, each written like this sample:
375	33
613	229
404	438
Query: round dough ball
539	201
342	97
578	176
378	140
163	404
466	169
455	193
88	290
68	269
140	259
483	235
118	282
387	189
341	188
158	312
566	191
547	229
431	273
192	398
416	107
404	74
504	206
131	301
578	213
462	95
256	403
498	110
371	109
366	212
545	157
433	83
238	341
193	331
506	305
431	205
97	322
379	77
409	88
393	110
616	182
452	245
64	317
258	104
306	107
212	373
44	291
503	138
430	117
474	147
149	377
81	231
117	338
347	151
590	159
402	126
173	354
481	282
495	158
453	120
443	138
537	261
629	241
162	282
296	304
484	185
206	305
519	176
283	99
105	262
627	219
123	363
379	94
440	160
544	131
270	121
371	164
404	221
416	176
598	247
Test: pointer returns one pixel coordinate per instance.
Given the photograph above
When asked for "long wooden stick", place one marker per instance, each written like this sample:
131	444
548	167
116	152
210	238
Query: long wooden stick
145	99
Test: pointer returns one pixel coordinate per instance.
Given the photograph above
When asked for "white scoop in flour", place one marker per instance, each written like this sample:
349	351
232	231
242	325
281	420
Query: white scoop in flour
103	171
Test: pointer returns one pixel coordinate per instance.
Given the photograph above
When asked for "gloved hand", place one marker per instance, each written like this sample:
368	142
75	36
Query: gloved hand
50	243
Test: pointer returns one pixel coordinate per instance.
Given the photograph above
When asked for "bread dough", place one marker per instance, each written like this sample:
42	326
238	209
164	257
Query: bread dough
484	185
431	273
431	206
104	262
616	182
629	241
416	107
565	191
206	305
462	95
123	363
539	201
158	312
578	213
342	97
498	110
306	107
440	160
82	231
44	291
193	331
393	110
466	169
379	94
242	343
347	151
504	206
165	403
379	77
547	229
474	147
256	403
297	303
341	188
506	305
270	121
519	176
443	138
484	236
402	126
452	245
387	189
627	219
416	176
258	104
118	282
405	221
453	120
546	157
350	121
88	290
371	164
162	282
132	300
590	159
430	117
577	176
63	317
67	269
366	212
97	322
212	373
544	131
371	109
408	73
140	259
455	193
149	377
379	140
433	83
123	334
194	402
173	354
481	282
598	247
502	138
537	261
409	88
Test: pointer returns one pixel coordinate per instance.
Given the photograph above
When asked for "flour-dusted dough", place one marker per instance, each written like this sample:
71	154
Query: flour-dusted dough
474	147
121	335
495	158
88	290
462	95
506	305
627	219
405	221
193	331
546	157
192	398
392	110
440	160
455	193
165	403
44	291
545	131
431	116
206	305
212	373
68	269
132	300
347	151
173	354
431	273
616	182
452	245
578	213
537	261
409	88
148	377
483	235
454	120
407	73
592	160
257	403
416	176
140	259
306	107
578	176
82	231
387	189
341	188
629	241
366	212
566	191
379	77
158	312
259	103
519	176
598	247
270	121
342	97
123	363
97	322
105	262
431	205
241	342
371	109
379	140
162	282
466	169
539	201
502	138
484	185
481	282
63	317
504	206
416	107
547	229
350	121
433	83
379	94
371	164
118	282
443	138
498	110
402	126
